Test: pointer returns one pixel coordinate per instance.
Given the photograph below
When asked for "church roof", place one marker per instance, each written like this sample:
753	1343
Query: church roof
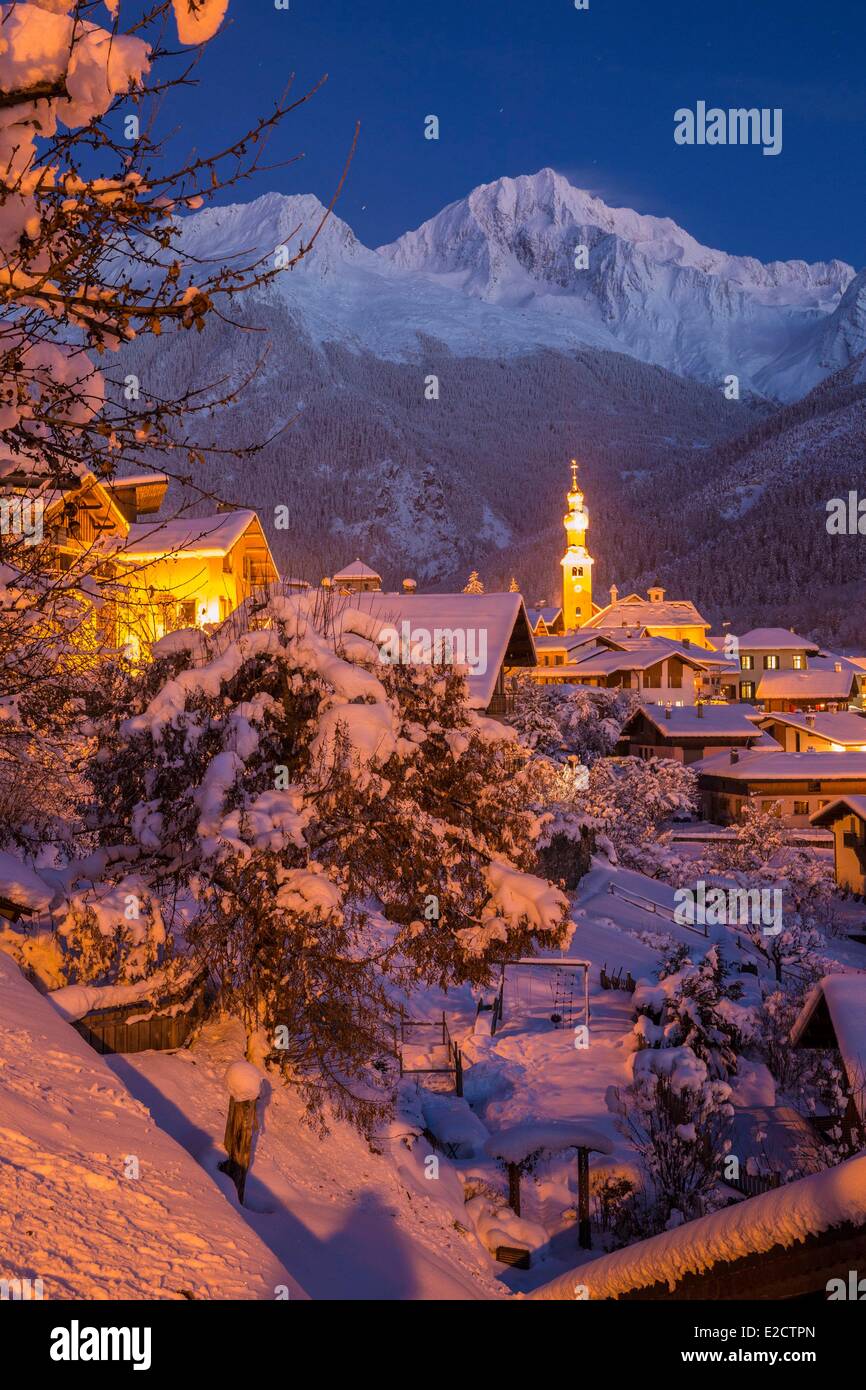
634	611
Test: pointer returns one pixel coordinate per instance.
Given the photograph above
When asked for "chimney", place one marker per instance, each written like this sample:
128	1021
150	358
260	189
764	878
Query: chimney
810	720
837	666
667	711
409	586
699	710
614	593
656	595
735	757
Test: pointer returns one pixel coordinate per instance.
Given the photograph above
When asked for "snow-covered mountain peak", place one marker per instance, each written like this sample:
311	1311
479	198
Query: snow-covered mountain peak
533	261
530	226
241	232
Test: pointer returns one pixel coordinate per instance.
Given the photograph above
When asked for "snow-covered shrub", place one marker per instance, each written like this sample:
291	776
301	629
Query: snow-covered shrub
678	1120
694	1005
563	720
628	799
111	933
343	826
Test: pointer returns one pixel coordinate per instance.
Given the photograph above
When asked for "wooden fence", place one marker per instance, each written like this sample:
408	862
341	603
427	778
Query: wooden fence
142	1026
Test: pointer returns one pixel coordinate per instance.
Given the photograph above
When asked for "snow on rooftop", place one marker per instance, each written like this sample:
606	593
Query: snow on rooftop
785	1216
135	480
826	684
201	536
713	721
842	726
634	611
778	639
357	570
845	996
487	622
826	814
784	767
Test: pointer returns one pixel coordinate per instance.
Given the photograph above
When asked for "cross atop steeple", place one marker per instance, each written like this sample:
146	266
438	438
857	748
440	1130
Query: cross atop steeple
574	475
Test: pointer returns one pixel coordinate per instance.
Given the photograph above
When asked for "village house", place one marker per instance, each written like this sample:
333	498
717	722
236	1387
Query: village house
159	575
824	732
846	817
356	578
688	733
834	1016
780	670
664	672
488	634
188	572
793	785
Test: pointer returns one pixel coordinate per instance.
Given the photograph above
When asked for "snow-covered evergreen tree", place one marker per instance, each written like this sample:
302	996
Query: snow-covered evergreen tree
473	584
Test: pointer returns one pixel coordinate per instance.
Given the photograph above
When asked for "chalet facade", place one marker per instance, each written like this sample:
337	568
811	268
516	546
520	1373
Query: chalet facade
688	733
846	817
797	731
794	785
158	575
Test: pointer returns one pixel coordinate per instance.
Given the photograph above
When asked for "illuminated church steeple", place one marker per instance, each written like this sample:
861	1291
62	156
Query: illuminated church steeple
577	561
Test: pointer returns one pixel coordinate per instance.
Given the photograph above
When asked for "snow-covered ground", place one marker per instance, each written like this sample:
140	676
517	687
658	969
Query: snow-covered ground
350	1222
70	1134
331	1217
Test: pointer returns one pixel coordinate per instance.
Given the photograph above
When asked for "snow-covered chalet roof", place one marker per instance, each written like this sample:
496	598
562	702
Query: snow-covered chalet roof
501	618
775	639
759	766
636	656
817	684
357	570
827	814
634	611
698	721
202	537
847	727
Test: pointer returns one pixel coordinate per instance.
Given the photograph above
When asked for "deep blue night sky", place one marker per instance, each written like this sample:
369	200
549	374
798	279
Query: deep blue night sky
520	84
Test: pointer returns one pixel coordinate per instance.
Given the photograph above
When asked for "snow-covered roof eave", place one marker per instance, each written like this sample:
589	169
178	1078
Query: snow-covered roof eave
810	1207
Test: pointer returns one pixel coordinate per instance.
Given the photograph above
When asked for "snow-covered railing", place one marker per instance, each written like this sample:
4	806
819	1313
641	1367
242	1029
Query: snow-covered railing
647	905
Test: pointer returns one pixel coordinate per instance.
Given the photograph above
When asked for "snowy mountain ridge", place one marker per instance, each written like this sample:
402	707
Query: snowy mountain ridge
496	274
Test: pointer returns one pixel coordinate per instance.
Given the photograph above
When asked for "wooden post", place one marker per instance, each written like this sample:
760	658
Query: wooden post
584	1236
240	1124
458	1070
514	1187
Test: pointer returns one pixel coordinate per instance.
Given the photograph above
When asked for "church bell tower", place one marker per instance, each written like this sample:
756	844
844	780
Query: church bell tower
577	561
